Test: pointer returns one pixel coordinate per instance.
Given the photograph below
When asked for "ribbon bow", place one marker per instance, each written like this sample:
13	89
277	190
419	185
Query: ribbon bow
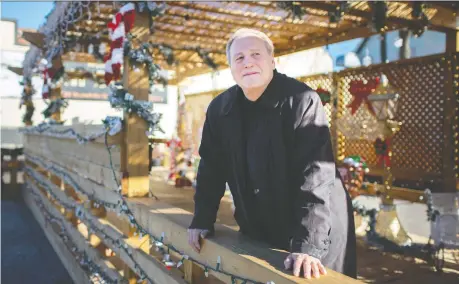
361	91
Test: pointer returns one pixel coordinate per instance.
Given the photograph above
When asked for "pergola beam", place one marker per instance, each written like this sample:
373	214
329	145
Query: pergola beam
242	15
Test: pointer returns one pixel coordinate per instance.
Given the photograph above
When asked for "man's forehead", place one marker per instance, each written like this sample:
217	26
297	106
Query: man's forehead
247	43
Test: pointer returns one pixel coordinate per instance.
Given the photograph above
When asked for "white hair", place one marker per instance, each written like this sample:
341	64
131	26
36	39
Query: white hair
244	32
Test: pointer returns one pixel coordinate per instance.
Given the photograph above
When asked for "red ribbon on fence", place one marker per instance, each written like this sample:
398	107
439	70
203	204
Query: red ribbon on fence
361	91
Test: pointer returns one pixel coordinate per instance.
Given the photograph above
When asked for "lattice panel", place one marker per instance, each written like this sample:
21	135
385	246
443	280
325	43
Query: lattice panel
455	68
325	82
421	85
195	115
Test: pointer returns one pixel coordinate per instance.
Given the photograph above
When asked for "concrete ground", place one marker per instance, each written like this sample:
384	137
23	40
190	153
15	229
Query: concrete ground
26	254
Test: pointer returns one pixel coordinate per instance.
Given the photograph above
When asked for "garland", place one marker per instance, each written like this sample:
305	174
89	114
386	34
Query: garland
119	98
54	106
418	13
325	96
293	9
26	100
113	125
85	262
142	58
122	207
336	15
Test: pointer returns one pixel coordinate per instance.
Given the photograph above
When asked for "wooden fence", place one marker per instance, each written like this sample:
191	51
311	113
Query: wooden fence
75	188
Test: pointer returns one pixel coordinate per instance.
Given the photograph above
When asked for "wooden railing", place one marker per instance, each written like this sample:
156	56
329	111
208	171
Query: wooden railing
12	162
72	190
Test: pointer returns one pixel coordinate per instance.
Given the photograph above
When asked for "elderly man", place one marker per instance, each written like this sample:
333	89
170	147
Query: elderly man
268	137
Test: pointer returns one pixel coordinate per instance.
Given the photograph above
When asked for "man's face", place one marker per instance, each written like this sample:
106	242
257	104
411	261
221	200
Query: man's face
251	64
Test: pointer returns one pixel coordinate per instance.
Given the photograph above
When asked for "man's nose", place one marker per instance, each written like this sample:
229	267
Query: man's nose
248	64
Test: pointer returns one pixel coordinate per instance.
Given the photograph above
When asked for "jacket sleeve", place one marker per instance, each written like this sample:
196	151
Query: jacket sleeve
210	182
314	177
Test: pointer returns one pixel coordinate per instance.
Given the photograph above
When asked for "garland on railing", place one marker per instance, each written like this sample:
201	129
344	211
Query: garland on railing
85	262
113	123
123	208
119	98
82	215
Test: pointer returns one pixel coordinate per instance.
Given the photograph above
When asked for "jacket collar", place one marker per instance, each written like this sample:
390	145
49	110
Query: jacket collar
270	97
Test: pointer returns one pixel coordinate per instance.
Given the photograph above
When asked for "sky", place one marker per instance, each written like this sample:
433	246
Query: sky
28	14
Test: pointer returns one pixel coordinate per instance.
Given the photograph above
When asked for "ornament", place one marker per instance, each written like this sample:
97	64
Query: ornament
361	90
382	147
324	95
384	100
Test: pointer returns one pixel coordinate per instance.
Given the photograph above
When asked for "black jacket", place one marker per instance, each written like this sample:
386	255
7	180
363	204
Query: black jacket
299	202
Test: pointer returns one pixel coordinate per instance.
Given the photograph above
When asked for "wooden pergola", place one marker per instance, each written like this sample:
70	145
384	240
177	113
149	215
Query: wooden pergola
106	180
208	25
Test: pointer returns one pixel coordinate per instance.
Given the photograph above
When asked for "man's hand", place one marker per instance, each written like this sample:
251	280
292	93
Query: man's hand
311	265
195	236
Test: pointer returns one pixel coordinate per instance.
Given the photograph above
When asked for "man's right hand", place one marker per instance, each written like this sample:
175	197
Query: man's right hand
195	236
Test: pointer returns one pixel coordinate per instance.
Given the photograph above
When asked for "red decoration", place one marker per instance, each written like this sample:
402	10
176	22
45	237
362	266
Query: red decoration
361	91
382	150
121	24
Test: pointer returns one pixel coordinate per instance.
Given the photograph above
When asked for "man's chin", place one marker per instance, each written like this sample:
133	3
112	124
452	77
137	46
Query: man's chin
251	84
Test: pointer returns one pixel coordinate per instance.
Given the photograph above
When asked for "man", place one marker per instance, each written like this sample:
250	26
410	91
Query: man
268	137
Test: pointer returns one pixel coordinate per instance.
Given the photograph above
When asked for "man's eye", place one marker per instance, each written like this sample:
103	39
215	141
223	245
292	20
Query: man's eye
239	58
256	53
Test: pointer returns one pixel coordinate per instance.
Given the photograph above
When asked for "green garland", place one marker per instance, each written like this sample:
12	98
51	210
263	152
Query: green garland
26	100
55	106
336	15
294	9
121	99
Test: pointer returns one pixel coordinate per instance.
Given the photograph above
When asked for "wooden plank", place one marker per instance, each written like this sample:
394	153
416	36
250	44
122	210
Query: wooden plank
34	38
84	130
403	173
397	193
95	173
135	148
152	267
239	255
91	152
449	176
79	241
70	263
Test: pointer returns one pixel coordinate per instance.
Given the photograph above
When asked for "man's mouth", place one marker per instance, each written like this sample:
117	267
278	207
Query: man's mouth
249	74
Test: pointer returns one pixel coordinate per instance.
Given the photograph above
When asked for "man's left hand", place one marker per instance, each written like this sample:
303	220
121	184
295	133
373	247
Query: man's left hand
311	265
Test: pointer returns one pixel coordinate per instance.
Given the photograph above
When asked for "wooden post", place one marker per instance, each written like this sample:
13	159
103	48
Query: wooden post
383	48
452	45
55	94
134	152
405	51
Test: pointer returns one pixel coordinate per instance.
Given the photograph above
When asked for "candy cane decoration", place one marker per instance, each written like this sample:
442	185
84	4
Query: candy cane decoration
120	25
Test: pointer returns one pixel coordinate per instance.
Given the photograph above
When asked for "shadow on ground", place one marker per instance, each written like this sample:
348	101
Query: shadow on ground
27	256
375	266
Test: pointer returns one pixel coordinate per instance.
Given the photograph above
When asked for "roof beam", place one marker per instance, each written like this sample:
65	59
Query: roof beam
287	24
240	21
35	38
443	18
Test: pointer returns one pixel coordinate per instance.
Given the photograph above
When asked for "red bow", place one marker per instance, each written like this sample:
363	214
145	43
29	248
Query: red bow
382	148
361	91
